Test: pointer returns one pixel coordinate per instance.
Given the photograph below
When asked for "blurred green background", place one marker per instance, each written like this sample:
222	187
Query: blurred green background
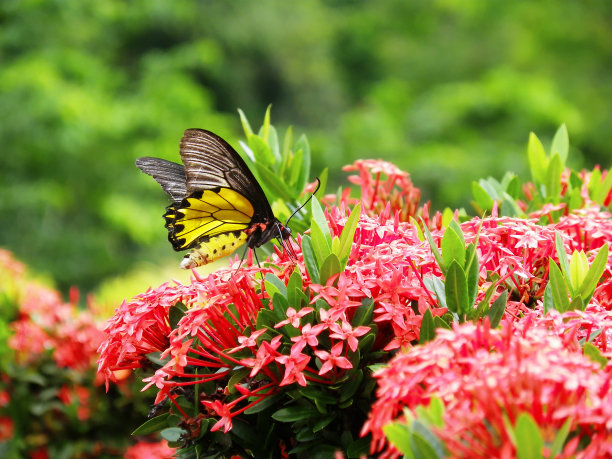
447	89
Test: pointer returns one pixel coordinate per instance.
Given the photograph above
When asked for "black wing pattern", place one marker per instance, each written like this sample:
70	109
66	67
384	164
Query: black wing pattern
171	176
210	162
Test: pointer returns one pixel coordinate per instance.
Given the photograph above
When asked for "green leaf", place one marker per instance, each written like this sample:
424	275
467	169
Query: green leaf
348	235
472	269
275	188
529	441
553	179
319	232
176	313
363	314
594	274
427	332
273	284
266	403
497	309
400	436
562	256
559	442
295	413
455	289
433	246
435	285
246	127
172	434
350	387
579	266
593	353
330	267
265	127
560	144
153	425
261	152
323	423
310	259
294	288
538	161
358	448
453	247
604	189
482	198
439	322
557	287
426	444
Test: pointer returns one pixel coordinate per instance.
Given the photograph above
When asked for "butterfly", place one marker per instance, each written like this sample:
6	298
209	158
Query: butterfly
217	205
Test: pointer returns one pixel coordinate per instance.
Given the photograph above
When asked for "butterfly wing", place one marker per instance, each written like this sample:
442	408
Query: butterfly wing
169	175
211	162
223	196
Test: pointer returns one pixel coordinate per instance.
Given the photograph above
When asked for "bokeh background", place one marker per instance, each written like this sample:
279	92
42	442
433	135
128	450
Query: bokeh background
446	89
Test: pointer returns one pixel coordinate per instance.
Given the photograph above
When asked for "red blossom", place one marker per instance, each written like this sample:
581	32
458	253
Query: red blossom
333	359
145	450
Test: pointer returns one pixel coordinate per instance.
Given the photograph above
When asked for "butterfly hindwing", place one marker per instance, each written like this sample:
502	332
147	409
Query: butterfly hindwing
206	214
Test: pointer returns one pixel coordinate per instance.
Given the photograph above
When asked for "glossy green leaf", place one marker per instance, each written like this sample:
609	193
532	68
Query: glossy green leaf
433	246
435	285
481	197
553	179
562	256
497	309
603	190
330	267
152	425
427	331
246	127
267	402
176	313
560	144
557	287
439	322
363	314
172	434
529	441
538	161
294	288
455	289
273	284
558	443
593	353
295	413
350	387
594	274
348	235
472	269
453	247
400	436
310	259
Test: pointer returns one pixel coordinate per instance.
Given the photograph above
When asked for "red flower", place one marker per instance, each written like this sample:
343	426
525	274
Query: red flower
333	359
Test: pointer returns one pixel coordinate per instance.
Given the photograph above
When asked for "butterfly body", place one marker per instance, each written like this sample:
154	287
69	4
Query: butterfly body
217	205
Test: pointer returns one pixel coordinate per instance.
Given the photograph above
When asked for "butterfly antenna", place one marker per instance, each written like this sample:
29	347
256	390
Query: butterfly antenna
242	259
302	206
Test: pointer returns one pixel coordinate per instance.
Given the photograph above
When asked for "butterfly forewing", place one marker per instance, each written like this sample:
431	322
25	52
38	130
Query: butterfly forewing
211	162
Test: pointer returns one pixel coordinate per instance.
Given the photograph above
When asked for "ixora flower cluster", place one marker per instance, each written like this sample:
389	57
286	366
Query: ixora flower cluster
286	357
51	400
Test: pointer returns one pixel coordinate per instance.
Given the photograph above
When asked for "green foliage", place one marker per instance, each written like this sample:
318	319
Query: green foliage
575	277
459	264
547	187
86	87
414	437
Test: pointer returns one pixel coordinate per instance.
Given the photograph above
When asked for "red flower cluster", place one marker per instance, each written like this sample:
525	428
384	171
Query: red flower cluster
484	376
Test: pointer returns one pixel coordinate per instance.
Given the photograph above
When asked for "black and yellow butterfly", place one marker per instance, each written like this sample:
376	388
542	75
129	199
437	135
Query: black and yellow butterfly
218	204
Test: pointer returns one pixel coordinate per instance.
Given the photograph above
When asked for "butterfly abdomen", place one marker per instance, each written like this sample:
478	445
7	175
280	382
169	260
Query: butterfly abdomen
213	249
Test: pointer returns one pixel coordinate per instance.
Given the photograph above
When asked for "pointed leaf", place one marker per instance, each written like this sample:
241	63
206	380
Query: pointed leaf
472	270
435	285
482	198
455	289
433	246
560	144
310	259
497	309
348	235
553	179
557	287
529	441
562	256
453	248
273	284
594	274
427	332
538	162
246	127
329	268
153	425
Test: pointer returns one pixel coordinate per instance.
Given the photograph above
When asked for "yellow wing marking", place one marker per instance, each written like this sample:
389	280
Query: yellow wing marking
215	248
214	212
